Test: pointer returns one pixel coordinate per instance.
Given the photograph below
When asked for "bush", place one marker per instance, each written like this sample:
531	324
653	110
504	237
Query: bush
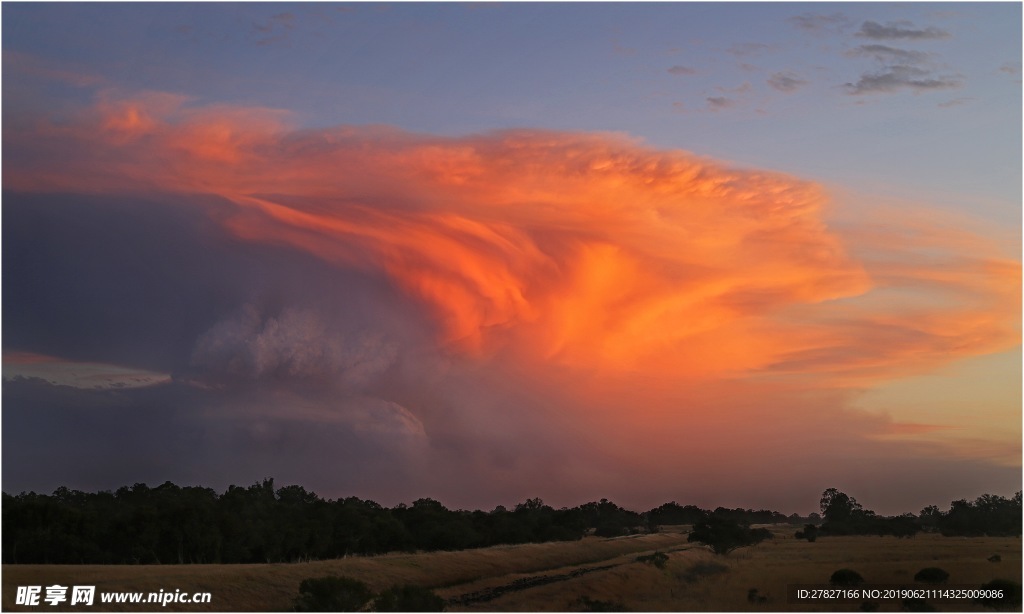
1011	599
753	597
846	577
699	570
658	559
724	535
931	575
408	598
586	604
332	594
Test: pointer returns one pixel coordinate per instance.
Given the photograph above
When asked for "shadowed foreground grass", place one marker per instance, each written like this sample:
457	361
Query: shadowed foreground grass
567	575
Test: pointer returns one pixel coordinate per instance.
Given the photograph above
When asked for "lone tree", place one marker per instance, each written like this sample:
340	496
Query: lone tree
724	535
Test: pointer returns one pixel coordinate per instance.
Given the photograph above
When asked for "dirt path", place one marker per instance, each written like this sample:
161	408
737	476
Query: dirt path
491	593
522	584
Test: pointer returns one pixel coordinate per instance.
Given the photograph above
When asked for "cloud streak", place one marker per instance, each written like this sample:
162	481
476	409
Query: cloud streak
899	30
902	77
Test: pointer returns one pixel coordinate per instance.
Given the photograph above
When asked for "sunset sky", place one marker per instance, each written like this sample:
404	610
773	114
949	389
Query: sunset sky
717	253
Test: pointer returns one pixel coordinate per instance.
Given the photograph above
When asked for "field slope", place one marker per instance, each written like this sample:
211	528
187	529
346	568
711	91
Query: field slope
565	576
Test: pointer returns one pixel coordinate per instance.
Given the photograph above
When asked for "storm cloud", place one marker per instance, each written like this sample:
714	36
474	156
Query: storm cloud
478	319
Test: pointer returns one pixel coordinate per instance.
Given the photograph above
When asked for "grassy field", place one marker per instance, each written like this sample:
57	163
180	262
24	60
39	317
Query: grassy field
568	576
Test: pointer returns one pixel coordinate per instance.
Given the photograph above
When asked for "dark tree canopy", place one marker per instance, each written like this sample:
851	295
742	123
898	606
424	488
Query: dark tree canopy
723	535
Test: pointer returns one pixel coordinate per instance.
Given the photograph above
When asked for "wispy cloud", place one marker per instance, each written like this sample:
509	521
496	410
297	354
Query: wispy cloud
744	50
682	70
886	54
956	102
895	30
786	82
720	103
900	77
275	28
78	374
814	22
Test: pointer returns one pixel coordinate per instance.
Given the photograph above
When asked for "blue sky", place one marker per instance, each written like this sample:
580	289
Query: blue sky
761	84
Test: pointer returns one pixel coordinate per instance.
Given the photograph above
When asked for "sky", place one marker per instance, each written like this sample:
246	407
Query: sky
724	254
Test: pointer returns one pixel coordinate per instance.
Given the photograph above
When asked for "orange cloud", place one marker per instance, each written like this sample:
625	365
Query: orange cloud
586	250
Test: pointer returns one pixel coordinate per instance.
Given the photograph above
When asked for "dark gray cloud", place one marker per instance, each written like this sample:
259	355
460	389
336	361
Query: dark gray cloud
786	81
886	54
899	30
901	77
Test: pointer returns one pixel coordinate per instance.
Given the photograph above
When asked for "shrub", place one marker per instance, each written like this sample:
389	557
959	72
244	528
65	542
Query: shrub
658	559
331	594
753	597
586	604
699	570
931	575
1011	599
846	577
408	598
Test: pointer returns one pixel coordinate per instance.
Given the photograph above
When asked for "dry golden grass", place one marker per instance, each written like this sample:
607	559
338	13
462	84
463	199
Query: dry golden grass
693	580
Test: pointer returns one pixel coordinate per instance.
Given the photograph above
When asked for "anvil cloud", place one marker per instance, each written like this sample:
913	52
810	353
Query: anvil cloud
576	308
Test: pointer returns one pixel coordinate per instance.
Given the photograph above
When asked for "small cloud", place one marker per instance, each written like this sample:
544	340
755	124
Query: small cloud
720	103
679	107
682	70
786	82
622	50
279	24
899	30
1010	68
954	102
743	88
884	53
894	78
819	23
750	49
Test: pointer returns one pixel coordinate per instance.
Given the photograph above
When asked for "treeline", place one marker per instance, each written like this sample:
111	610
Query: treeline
258	524
990	515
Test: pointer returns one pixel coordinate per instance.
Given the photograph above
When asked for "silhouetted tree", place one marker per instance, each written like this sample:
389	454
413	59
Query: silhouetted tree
723	535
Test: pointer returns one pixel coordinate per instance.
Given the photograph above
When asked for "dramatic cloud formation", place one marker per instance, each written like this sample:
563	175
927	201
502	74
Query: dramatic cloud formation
899	30
520	312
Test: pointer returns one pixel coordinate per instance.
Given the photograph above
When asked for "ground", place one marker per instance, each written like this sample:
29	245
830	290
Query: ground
594	572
